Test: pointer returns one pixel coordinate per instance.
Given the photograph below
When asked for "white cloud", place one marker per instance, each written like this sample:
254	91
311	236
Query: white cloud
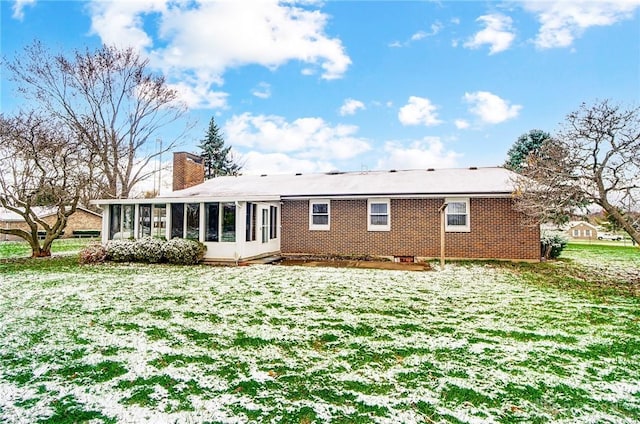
490	108
199	95
563	21
461	124
18	8
121	23
435	28
498	33
262	91
303	138
201	40
419	36
418	111
426	153
350	107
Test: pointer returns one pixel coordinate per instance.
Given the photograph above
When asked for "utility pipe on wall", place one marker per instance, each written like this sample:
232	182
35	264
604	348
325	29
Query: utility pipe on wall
442	230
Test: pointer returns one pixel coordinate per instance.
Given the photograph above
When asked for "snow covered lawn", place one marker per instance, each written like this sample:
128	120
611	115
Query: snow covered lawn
473	343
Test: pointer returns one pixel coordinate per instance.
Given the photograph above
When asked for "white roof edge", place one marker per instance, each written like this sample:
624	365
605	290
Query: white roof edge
194	199
398	196
41	212
572	224
160	200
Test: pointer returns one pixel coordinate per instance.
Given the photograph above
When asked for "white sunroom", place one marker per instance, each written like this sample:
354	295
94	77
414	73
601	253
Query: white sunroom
231	229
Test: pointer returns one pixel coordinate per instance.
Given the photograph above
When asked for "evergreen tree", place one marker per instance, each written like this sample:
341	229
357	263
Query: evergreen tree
217	158
526	144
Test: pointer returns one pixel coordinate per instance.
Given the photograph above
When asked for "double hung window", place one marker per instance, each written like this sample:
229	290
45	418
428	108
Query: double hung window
319	215
457	215
379	216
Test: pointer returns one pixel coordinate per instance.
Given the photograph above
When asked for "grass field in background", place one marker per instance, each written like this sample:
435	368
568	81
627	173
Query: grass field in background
477	342
20	249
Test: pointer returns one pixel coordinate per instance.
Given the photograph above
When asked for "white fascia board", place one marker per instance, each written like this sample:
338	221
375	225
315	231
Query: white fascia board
400	196
207	199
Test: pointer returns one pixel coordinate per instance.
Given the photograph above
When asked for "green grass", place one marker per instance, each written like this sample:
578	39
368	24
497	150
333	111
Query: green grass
592	269
605	252
477	342
20	249
67	410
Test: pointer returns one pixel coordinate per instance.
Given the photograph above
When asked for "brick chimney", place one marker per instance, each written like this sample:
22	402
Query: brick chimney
188	170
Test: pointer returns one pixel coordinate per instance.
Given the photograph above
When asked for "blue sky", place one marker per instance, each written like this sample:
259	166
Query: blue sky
307	86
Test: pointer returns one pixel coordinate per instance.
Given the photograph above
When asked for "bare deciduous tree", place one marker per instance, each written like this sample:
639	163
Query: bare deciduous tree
43	166
593	160
110	99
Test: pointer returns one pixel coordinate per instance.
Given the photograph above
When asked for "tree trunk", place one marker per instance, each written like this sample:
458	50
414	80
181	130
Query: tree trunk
40	253
36	250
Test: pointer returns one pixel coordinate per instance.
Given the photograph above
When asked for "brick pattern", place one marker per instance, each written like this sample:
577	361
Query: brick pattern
80	220
188	170
497	231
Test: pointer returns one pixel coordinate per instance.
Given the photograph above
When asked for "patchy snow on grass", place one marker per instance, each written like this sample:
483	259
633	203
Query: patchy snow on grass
472	343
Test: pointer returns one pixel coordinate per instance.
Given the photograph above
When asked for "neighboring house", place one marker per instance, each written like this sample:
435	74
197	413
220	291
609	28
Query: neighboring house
393	214
582	230
82	220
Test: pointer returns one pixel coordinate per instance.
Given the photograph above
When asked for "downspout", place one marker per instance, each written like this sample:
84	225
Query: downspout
442	231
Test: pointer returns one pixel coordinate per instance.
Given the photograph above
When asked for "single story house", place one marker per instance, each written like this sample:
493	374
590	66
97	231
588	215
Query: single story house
82	221
582	230
395	214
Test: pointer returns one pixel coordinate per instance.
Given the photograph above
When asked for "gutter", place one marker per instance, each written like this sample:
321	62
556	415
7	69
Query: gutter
400	196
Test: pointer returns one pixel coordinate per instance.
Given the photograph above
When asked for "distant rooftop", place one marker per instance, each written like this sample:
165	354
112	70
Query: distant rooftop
41	211
422	182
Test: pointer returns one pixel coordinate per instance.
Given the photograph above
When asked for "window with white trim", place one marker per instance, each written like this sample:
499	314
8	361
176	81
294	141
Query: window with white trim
587	232
576	232
319	215
251	221
121	219
273	222
378	215
457	215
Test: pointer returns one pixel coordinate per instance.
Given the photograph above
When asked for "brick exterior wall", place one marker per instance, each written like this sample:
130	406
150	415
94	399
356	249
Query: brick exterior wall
497	231
188	170
80	220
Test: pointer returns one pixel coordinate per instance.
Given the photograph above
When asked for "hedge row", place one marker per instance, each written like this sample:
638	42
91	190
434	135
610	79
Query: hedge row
147	250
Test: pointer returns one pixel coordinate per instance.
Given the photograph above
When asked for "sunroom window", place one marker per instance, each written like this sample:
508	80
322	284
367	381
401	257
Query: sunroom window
250	221
220	220
273	222
144	220
185	221
120	222
228	222
159	221
192	212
